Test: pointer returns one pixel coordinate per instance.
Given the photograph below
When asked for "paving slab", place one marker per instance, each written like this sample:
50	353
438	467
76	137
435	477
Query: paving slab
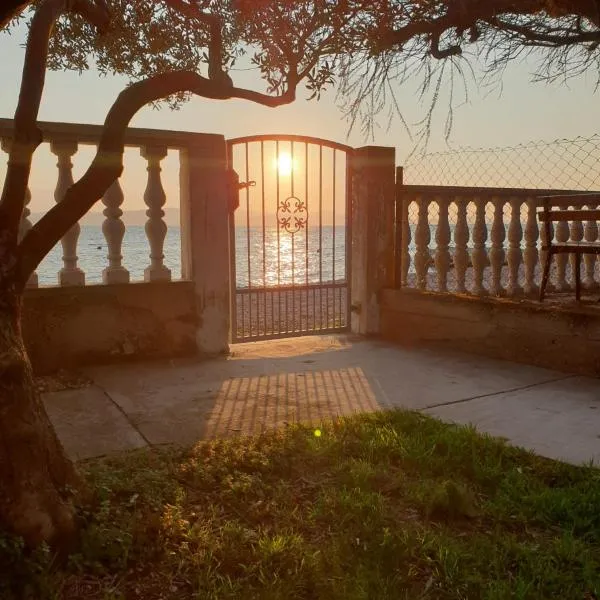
88	424
310	379
559	420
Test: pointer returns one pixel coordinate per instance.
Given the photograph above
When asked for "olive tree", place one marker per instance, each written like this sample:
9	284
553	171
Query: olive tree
164	46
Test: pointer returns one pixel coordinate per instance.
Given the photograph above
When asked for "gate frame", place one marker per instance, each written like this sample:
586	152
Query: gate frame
303	139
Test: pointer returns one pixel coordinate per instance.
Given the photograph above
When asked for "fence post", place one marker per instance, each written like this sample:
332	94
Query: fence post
204	189
373	197
399	229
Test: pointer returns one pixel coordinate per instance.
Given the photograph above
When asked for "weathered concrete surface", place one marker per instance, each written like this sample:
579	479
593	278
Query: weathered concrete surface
269	384
560	419
554	335
89	424
74	326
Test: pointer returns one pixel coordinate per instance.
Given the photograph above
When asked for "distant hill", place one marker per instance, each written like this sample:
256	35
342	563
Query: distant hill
139	218
130	217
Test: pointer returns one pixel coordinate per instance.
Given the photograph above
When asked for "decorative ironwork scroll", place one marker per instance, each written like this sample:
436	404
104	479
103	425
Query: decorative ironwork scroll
292	214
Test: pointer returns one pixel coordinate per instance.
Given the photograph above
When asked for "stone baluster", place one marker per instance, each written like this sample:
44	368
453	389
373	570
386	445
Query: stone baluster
544	254
515	254
442	238
530	254
479	253
422	240
70	274
497	254
114	231
461	240
156	228
590	234
576	234
25	224
406	237
562	235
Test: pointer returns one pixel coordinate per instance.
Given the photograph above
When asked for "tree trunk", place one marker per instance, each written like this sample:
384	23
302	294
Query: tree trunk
37	480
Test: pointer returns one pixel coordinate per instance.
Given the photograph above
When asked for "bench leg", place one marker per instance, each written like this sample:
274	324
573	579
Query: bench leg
577	277
546	275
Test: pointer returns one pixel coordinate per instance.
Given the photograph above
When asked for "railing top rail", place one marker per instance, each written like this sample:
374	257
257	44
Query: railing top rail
90	134
284	137
441	190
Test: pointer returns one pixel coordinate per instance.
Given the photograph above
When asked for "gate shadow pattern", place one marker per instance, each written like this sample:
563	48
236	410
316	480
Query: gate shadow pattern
250	405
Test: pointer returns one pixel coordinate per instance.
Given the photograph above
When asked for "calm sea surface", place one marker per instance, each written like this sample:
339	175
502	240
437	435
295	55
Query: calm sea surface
272	258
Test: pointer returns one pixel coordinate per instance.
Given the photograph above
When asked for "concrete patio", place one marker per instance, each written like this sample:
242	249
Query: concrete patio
270	384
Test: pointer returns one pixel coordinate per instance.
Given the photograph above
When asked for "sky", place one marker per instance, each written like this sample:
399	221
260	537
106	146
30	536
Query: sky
523	112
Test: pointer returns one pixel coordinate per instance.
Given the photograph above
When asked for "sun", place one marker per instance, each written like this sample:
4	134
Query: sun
285	164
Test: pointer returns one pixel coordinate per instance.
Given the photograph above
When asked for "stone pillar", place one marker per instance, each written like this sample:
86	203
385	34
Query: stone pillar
205	208
372	263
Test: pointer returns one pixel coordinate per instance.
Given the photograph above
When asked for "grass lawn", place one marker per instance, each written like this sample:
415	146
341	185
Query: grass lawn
392	505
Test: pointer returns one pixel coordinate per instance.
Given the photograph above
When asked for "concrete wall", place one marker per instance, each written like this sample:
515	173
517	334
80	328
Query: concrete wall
207	189
563	338
372	188
70	327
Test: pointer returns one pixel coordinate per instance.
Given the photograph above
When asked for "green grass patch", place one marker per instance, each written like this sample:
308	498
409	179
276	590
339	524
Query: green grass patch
389	505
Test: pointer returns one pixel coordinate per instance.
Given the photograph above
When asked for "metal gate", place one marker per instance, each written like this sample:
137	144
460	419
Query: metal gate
290	237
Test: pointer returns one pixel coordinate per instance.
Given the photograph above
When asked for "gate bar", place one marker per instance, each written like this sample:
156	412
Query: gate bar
293	248
264	234
306	232
248	249
232	255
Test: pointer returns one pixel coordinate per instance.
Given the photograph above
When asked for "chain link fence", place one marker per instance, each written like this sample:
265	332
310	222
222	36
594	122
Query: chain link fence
562	164
492	204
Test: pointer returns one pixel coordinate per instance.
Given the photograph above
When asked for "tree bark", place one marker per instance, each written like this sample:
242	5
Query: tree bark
37	480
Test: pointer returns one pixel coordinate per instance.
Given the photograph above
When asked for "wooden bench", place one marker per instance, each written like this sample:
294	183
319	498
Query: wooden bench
567	207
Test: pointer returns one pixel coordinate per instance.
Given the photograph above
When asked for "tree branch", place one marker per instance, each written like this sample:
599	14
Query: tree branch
26	135
464	15
107	164
215	47
10	10
441	53
563	38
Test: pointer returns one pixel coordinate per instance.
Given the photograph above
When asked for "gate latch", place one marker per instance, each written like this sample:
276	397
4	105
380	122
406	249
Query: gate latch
235	185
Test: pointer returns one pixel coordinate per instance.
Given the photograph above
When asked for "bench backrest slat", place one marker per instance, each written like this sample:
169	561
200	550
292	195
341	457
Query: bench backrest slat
569	215
568	200
572	207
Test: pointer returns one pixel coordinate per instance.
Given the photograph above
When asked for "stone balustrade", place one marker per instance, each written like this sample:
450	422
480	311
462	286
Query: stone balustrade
155	317
484	241
65	141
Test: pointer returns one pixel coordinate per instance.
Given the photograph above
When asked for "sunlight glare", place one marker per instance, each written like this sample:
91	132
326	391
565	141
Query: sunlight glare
284	164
